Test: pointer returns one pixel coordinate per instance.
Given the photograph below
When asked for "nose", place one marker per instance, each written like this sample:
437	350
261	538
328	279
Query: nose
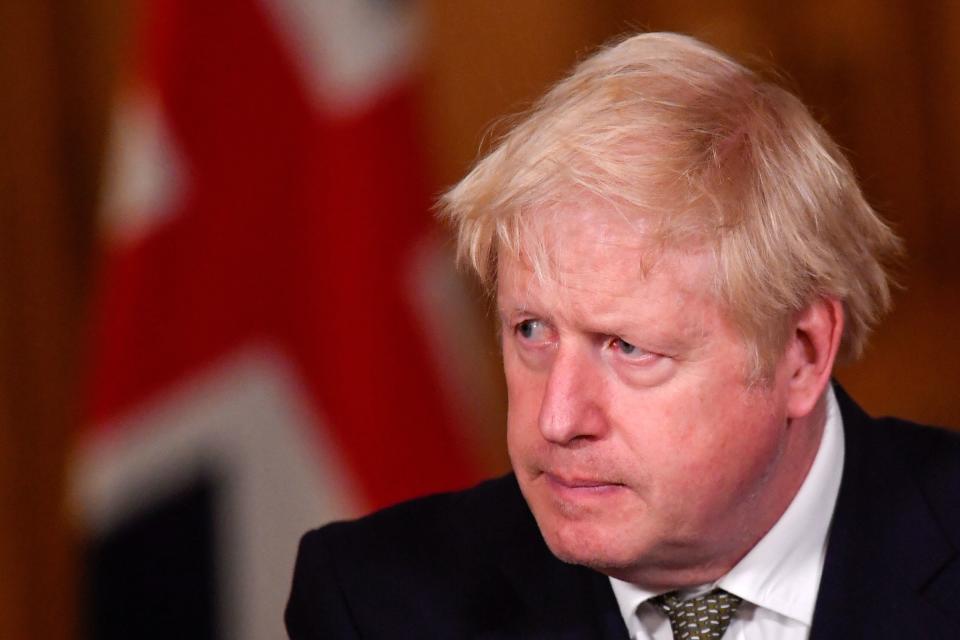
571	411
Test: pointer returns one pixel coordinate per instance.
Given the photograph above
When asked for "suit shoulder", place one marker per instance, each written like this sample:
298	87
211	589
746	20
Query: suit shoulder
422	562
479	510
427	533
920	443
894	438
932	455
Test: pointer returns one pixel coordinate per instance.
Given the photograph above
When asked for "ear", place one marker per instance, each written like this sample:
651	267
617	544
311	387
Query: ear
811	352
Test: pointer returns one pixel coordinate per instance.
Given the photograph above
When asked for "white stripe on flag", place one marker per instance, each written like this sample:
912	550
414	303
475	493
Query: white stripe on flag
145	173
349	50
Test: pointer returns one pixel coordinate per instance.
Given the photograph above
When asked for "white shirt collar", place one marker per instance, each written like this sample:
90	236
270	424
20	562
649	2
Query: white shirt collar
782	571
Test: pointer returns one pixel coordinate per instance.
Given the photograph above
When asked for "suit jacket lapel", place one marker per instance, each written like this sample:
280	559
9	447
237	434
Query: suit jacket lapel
888	560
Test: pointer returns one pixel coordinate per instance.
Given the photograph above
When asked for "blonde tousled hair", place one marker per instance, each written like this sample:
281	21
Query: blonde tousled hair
704	151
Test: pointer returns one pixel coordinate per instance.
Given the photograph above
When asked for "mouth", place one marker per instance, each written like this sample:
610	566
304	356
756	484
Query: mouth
580	485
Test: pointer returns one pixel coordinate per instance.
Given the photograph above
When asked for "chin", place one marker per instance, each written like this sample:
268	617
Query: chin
587	542
606	556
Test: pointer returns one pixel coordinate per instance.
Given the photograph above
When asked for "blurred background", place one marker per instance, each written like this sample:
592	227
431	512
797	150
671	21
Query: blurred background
226	315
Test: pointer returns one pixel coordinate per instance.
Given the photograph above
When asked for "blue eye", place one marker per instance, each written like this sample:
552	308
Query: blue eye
631	351
527	328
625	347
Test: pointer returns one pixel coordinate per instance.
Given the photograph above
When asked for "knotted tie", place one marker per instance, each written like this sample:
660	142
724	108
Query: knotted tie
703	618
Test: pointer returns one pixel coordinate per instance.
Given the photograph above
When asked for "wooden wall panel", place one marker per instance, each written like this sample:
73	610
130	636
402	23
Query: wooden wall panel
56	70
35	357
485	60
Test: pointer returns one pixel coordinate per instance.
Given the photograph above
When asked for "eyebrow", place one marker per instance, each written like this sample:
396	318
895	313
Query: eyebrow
514	309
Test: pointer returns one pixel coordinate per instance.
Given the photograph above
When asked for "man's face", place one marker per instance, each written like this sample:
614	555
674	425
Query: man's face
636	440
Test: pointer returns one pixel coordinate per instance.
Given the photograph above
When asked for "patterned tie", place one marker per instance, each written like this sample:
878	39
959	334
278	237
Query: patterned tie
703	618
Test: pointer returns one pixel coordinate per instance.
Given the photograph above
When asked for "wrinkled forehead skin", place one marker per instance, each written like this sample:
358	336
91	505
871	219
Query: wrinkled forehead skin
591	244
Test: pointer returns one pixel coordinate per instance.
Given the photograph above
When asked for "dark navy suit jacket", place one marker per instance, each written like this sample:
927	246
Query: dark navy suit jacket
473	564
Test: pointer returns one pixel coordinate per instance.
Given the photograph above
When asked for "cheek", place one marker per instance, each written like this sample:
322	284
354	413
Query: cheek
524	397
733	449
708	433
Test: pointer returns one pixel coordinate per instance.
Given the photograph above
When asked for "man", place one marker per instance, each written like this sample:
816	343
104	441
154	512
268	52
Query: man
679	254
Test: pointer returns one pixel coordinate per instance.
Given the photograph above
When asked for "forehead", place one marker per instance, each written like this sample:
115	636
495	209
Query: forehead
593	245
